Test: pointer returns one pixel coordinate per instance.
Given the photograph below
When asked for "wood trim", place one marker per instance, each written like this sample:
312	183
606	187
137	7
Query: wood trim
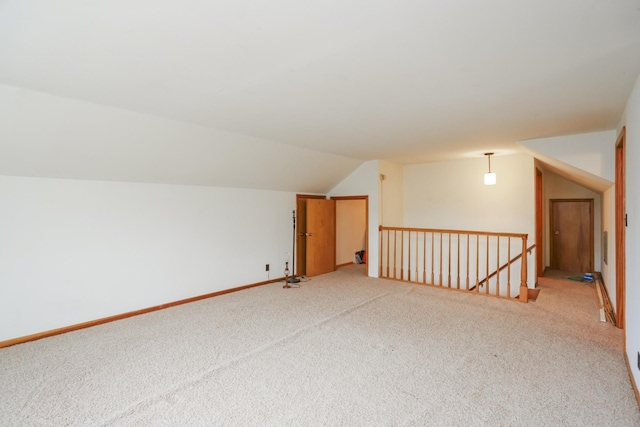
78	326
349	197
539	223
620	213
310	196
344	264
438	230
631	378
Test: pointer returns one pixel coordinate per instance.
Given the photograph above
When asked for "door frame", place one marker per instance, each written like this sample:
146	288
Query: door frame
539	227
366	222
551	228
620	213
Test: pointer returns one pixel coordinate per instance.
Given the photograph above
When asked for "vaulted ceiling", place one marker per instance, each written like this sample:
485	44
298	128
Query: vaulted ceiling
405	81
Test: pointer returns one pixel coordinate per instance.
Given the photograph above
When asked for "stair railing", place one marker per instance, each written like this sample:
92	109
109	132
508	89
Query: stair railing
481	262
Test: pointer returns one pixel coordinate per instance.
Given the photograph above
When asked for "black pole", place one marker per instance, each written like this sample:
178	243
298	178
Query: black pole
293	278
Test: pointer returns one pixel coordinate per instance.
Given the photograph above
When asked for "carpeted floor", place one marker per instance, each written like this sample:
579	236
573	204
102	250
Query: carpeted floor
343	349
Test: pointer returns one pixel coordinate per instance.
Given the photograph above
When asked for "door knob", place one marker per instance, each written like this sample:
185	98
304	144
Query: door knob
556	233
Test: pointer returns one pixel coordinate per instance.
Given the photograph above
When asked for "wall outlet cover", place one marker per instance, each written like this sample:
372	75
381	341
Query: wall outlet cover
266	267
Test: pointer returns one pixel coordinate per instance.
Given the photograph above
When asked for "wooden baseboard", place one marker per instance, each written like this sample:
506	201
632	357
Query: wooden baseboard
633	381
52	332
344	264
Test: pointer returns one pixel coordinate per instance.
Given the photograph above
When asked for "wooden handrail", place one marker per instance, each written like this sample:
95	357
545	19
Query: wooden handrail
454	259
445	231
505	265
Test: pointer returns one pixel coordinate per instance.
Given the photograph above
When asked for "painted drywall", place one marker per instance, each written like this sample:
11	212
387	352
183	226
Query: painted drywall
557	187
53	137
73	250
609	225
632	309
391	194
351	227
364	181
590	152
452	195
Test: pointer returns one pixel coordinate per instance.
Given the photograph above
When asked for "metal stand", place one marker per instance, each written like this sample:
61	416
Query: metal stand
293	278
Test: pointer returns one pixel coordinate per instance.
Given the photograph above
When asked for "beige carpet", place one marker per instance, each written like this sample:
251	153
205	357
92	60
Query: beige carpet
342	349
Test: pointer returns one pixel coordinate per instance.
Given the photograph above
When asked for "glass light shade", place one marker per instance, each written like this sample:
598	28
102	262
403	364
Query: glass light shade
489	178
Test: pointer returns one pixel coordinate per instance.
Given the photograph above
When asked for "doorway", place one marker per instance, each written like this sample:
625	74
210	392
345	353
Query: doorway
571	226
352	230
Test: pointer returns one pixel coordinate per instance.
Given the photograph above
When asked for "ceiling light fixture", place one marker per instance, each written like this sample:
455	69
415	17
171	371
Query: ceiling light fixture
489	177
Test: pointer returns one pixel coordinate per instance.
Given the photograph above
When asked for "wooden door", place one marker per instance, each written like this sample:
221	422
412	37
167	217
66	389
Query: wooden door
320	236
572	235
301	240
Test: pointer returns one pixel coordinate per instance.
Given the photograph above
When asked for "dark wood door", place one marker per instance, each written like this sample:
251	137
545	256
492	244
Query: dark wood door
320	236
572	235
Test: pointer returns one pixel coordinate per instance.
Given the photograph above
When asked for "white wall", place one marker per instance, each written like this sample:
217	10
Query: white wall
351	226
73	251
54	137
556	187
452	195
364	181
391	194
632	309
588	151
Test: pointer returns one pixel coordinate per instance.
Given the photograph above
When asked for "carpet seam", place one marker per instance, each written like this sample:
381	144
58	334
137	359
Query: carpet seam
196	379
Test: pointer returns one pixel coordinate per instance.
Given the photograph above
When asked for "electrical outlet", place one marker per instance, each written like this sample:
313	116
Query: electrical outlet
266	267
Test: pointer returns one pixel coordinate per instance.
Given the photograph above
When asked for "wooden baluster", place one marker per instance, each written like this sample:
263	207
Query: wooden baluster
395	252
380	254
408	256
388	250
486	282
402	255
433	251
467	282
524	291
440	272
417	253
458	264
449	262
498	268
509	268
424	258
477	263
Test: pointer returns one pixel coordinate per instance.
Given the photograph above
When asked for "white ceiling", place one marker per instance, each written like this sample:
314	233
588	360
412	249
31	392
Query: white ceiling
406	81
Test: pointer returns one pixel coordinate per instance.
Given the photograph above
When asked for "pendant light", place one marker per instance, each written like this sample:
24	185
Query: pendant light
489	177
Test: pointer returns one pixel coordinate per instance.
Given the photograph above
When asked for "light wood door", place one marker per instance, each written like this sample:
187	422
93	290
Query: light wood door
320	236
572	235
